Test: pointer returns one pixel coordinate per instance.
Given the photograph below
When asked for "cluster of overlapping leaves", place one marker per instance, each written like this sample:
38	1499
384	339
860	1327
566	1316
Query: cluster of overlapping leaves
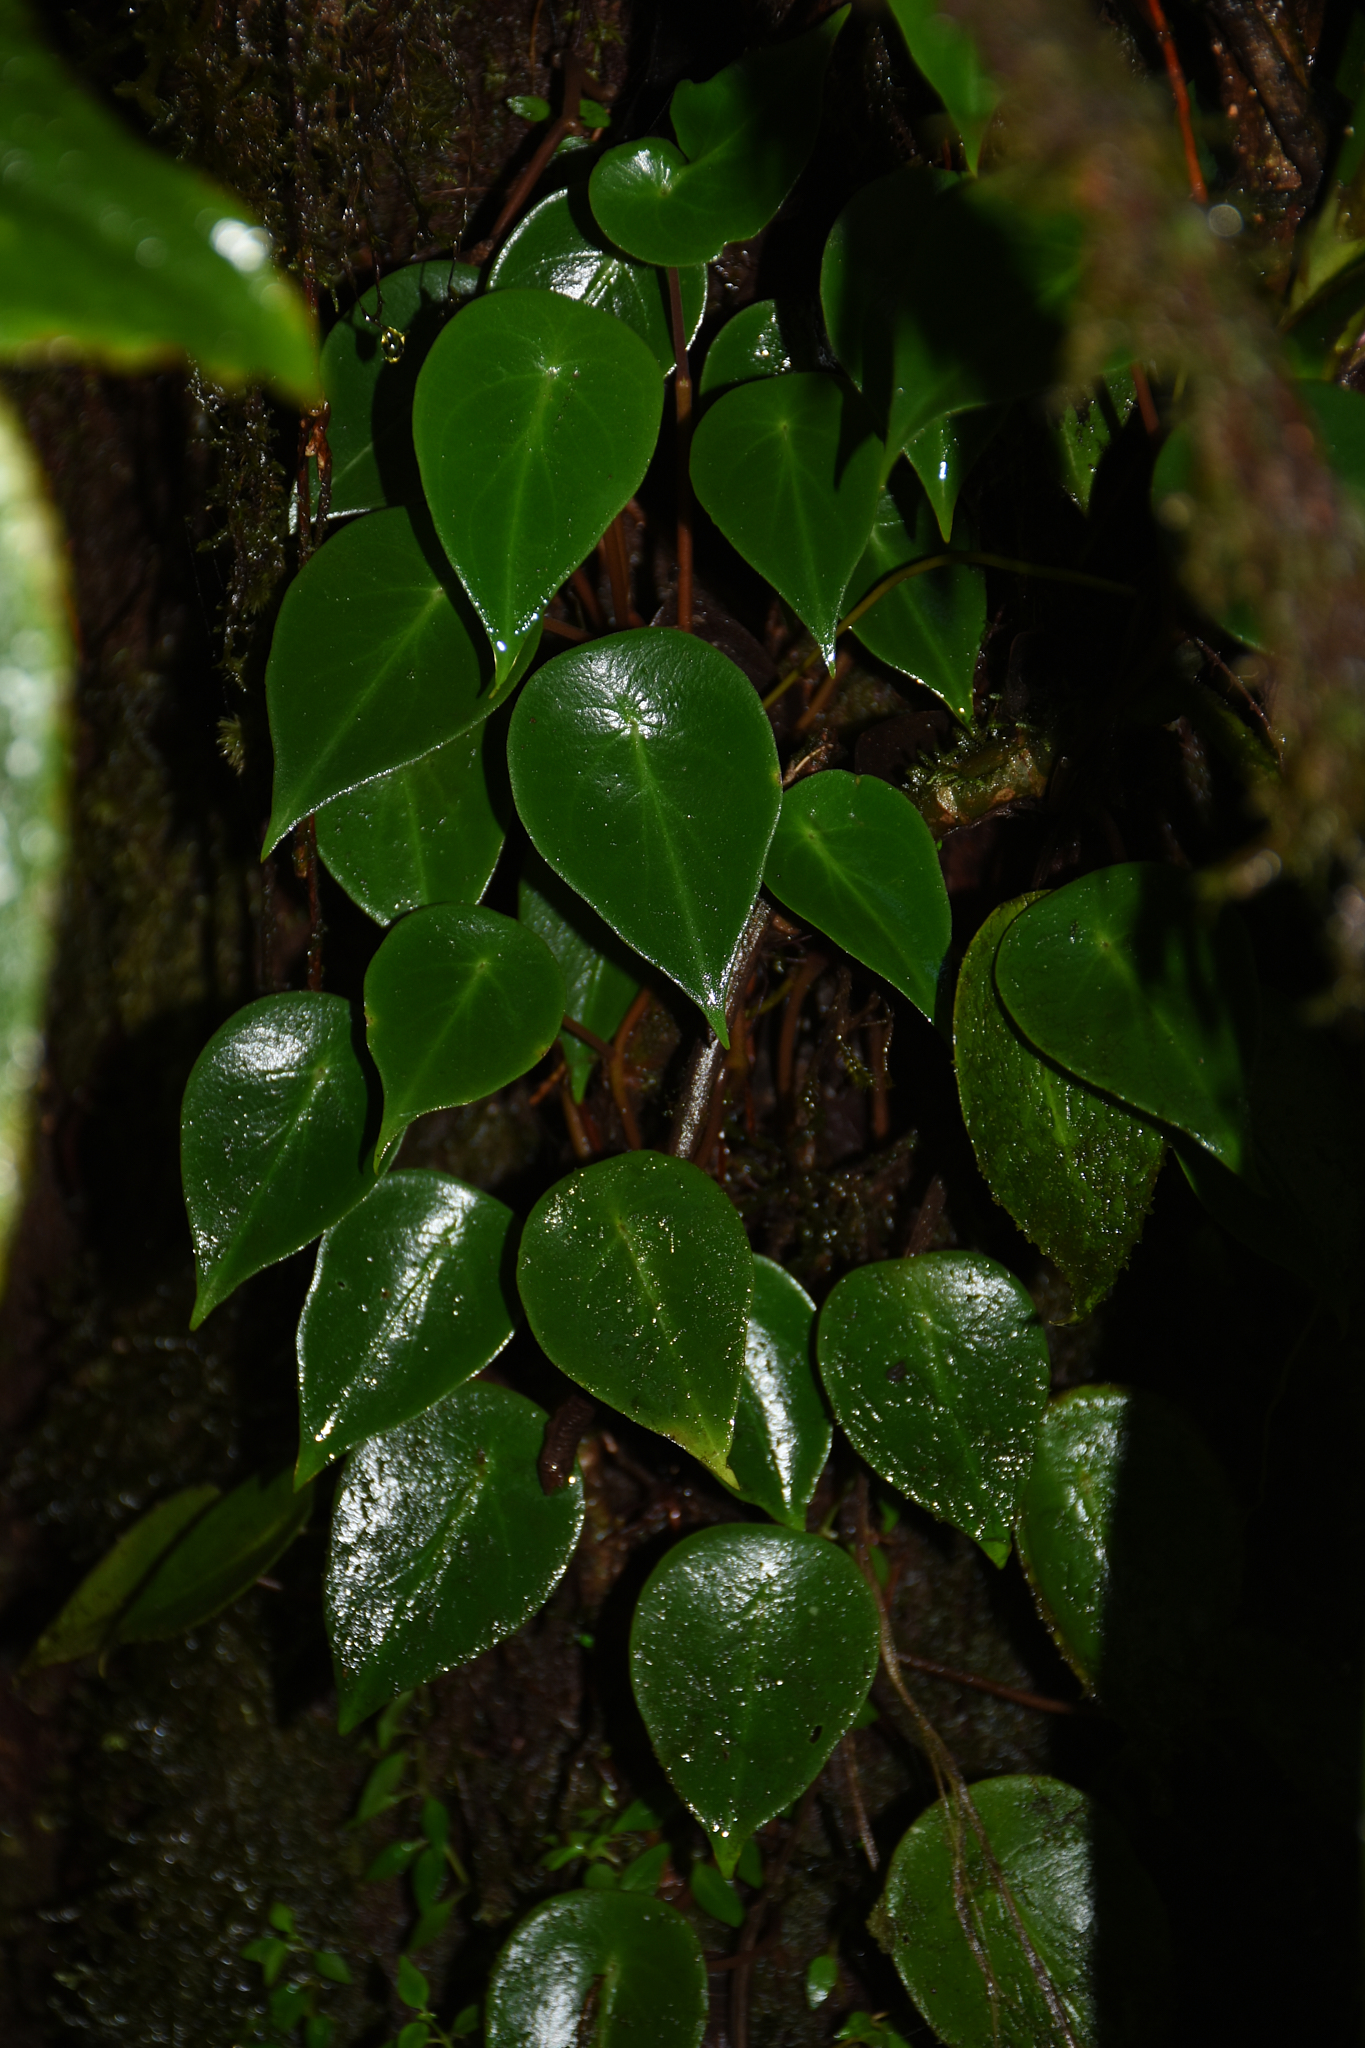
486	430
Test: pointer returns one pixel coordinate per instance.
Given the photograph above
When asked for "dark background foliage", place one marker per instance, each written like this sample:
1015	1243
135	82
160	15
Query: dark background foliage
152	1813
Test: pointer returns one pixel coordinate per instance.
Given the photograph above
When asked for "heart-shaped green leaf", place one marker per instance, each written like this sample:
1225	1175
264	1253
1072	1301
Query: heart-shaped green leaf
443	1543
928	626
637	1955
938	301
559	247
1092	1918
430	832
119	255
750	344
370	362
743	140
944	453
375	661
1085	429
644	769
1125	981
275	1135
219	1558
87	1622
853	856
946	54
937	1370
409	1298
534	421
636	1277
751	1652
1075	1170
1129	1534
782	1430
457	1004
790	470
601	976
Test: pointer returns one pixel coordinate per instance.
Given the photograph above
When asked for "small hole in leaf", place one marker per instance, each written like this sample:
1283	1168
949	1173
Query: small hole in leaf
817	1731
898	1370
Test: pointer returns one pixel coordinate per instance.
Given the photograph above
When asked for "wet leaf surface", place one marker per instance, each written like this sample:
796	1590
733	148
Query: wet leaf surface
443	1543
534	421
929	626
457	1004
853	856
750	344
946	54
559	247
1091	1914
944	453
937	1370
1075	1170
644	769
751	1652
376	660
601	975
219	1558
637	1277
427	833
1121	980
410	1297
1129	1535
790	470
782	1430
598	1970
275	1135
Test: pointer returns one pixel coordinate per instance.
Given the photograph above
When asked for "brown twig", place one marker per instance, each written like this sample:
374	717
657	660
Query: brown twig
562	1434
809	972
1181	95
306	868
1037	1701
826	690
565	123
583	1147
849	1760
612	547
564	629
692	1118
586	1037
620	1091
589	600
548	1085
682	403
1146	402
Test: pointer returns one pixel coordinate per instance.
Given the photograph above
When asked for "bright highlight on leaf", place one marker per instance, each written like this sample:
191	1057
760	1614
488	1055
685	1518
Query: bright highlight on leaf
410	1297
1075	1170
635	1959
644	769
853	856
275	1134
636	1277
457	1004
944	453
443	1543
1124	980
750	1654
534	421
782	1431
937	1370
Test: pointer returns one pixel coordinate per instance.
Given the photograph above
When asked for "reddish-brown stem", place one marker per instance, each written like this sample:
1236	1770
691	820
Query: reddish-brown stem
564	124
617	1070
849	1760
547	1086
564	630
1146	403
560	1448
306	868
1038	1702
682	403
810	970
573	1122
586	1037
1181	95
613	550
824	693
587	597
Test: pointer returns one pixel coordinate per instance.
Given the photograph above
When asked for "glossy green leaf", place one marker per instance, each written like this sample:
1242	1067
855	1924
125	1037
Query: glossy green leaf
940	301
744	138
636	1277
751	344
559	247
1075	1170
751	1652
790	470
443	1543
715	1894
782	1432
929	626
275	1137
1121	979
430	832
1129	1535
937	1370
631	1962
853	856
409	1298
37	661
88	1621
369	394
601	976
534	421
219	1558
1092	1916
115	254
375	661
944	453
645	1871
1086	429
944	51
644	769
457	1003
